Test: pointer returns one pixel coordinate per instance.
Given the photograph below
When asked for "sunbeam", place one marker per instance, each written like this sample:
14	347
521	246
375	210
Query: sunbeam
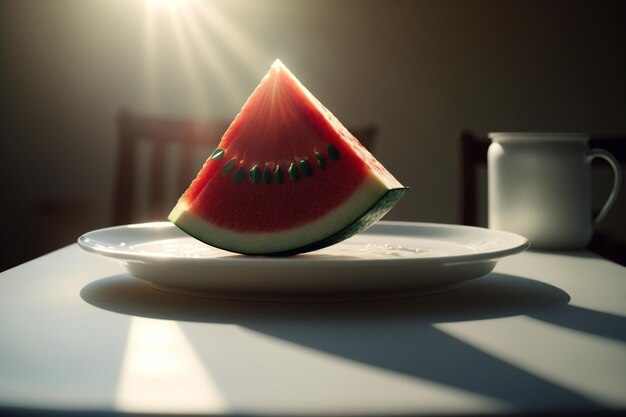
212	62
546	360
150	71
244	50
169	5
210	54
194	84
162	373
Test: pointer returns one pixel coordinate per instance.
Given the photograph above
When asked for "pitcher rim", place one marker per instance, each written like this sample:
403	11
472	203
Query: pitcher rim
538	136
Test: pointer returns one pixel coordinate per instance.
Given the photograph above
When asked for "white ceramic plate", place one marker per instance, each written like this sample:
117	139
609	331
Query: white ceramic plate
388	260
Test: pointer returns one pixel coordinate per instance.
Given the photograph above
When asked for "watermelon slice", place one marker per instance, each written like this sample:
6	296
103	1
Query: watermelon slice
287	177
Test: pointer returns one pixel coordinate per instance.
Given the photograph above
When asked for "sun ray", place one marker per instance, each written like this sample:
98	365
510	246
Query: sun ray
162	373
215	58
193	81
246	51
150	70
211	60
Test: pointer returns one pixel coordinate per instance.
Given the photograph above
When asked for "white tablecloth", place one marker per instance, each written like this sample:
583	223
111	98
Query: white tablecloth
543	332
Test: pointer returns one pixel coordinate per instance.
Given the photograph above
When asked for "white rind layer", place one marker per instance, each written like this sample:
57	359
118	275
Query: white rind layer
369	193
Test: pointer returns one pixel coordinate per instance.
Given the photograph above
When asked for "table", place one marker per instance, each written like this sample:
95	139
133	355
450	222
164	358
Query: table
544	332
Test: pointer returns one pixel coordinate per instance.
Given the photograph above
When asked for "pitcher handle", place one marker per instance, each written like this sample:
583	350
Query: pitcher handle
617	181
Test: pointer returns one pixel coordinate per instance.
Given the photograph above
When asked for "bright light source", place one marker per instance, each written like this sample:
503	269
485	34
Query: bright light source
202	44
167	4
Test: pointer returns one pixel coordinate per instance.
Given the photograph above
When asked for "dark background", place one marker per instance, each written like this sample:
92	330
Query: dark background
420	70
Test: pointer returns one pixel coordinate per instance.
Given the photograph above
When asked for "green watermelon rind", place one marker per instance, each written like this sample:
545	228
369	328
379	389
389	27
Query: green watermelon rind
363	222
375	213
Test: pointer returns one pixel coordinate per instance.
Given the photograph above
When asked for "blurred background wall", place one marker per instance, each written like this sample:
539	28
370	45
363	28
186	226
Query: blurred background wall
420	70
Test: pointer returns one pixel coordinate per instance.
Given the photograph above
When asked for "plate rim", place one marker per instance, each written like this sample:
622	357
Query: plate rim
487	255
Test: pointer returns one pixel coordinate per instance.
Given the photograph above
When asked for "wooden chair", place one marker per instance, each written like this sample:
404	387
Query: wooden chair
473	156
160	135
473	151
170	152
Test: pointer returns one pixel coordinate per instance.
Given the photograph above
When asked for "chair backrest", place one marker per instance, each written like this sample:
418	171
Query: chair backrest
145	151
609	242
473	156
158	157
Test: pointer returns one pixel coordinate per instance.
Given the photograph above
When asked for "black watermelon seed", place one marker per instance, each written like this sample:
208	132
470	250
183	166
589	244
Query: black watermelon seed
239	175
321	162
254	174
333	153
218	154
305	168
278	175
228	167
267	175
294	174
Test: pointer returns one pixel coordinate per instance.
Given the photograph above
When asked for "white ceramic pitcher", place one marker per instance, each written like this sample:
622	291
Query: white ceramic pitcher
539	186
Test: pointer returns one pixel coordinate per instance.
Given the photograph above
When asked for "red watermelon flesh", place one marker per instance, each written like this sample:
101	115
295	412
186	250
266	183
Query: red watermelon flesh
286	177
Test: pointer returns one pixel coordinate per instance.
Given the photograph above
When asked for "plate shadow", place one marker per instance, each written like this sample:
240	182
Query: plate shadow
398	335
496	295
